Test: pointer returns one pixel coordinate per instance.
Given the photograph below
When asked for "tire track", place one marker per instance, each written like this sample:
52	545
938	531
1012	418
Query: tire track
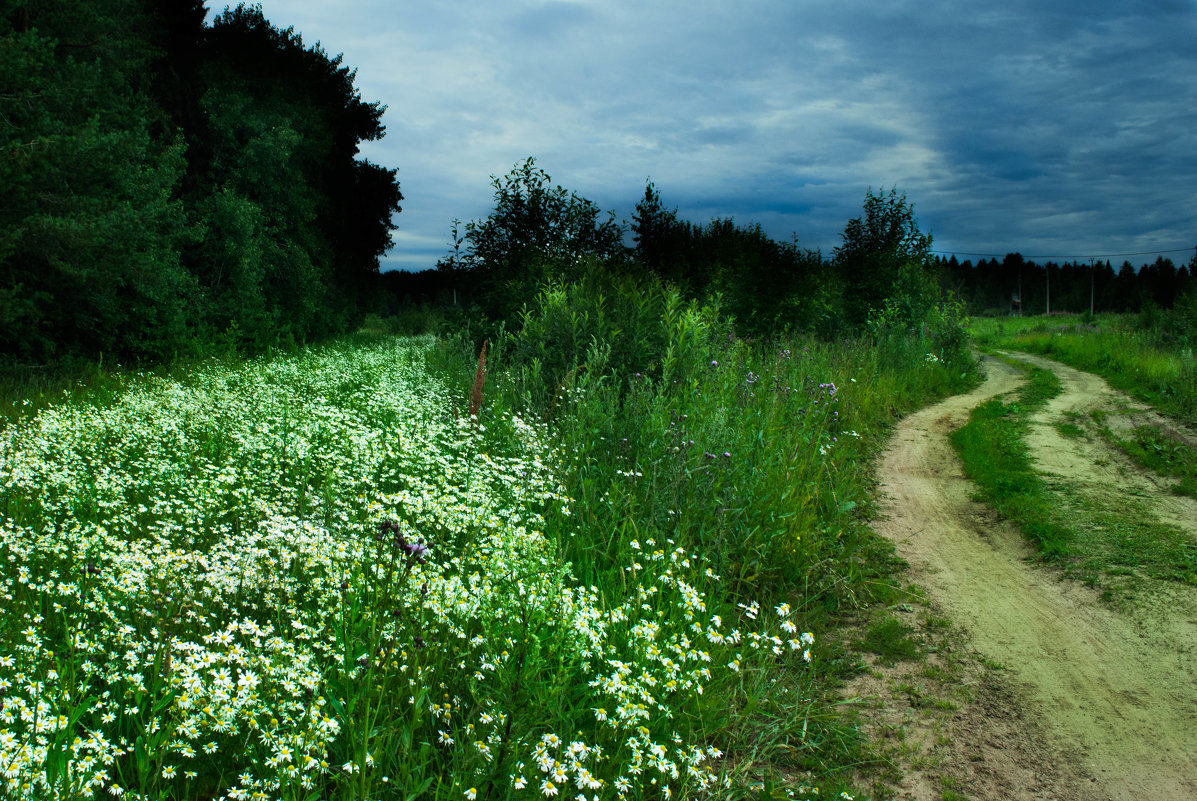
1118	694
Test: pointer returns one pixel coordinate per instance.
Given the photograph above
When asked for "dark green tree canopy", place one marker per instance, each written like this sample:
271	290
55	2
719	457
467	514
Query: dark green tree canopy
166	183
532	219
876	246
91	226
537	232
654	229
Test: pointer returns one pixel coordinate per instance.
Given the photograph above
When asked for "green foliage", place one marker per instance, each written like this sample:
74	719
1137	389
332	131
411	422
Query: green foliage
1173	328
918	310
295	223
889	638
1090	538
1154	368
198	559
633	375
167	185
753	455
656	232
996	458
881	249
90	230
607	328
767	286
1166	455
537	233
1042	387
1071	430
991	287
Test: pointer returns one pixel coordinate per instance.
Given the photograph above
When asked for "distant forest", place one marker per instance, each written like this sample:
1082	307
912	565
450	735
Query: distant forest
765	284
992	287
174	187
989	287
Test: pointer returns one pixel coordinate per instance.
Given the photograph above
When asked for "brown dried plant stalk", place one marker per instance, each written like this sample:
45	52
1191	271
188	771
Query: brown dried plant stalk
479	379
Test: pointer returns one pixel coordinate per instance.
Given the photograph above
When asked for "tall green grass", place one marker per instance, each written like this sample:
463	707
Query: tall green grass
318	575
755	455
314	577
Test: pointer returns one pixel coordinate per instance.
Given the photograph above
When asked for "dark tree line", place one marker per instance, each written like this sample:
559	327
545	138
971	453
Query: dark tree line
539	233
165	184
764	284
884	267
991	286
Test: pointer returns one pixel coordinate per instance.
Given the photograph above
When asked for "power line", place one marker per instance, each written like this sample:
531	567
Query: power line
1061	258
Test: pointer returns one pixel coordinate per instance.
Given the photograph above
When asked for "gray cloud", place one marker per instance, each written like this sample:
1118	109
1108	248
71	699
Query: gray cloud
1054	128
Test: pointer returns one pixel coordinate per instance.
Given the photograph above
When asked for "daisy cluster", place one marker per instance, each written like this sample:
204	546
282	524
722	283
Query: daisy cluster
308	577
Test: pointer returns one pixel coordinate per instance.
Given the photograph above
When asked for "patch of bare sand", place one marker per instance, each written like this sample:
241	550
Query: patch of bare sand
956	723
1117	696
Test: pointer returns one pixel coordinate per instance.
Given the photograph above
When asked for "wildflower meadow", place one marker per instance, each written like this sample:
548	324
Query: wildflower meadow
317	576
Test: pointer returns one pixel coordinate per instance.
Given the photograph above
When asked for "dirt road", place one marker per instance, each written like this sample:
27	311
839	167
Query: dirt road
1115	692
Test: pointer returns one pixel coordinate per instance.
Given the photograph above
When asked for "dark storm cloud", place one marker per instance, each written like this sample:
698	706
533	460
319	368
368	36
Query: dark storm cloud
1055	128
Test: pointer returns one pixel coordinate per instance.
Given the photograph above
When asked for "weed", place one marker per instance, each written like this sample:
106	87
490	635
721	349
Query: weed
1070	430
889	638
951	789
1152	448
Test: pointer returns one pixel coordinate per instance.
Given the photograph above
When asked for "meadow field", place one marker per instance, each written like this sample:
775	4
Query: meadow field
318	575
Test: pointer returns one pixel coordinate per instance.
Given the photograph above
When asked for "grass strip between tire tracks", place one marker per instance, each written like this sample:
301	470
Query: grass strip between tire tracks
995	456
1091	539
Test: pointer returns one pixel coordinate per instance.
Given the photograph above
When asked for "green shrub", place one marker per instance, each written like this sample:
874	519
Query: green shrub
606	329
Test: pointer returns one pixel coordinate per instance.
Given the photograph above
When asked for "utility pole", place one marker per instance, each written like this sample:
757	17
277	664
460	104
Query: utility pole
1047	271
1092	280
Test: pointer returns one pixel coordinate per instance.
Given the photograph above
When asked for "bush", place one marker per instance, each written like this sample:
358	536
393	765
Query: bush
606	328
921	315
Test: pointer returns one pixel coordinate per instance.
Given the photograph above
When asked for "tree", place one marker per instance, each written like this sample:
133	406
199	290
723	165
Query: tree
876	247
163	181
281	127
537	232
90	224
654	230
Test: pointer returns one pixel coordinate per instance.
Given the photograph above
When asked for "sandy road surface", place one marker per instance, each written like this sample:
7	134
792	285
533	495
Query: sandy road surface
1116	692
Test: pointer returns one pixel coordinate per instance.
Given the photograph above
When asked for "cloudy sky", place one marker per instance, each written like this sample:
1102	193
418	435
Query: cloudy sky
1056	128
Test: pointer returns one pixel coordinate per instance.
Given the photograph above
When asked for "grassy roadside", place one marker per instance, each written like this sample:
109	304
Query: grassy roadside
1151	448
760	462
757	456
636	589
